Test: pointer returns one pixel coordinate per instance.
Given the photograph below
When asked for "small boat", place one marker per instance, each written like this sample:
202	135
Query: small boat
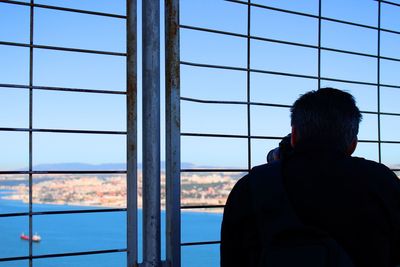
35	237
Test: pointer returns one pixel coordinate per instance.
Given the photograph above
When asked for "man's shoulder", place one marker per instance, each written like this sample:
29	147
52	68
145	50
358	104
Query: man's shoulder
257	173
368	166
266	169
374	173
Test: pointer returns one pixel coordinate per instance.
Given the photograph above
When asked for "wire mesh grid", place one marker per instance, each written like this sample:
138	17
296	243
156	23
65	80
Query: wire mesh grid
249	69
30	130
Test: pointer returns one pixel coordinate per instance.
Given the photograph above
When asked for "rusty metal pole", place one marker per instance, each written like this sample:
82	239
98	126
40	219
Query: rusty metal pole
172	80
131	106
151	133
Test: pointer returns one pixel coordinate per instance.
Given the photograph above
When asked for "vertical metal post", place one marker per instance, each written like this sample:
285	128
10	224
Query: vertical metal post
172	80
30	128
131	106
379	84
319	42
151	132
248	85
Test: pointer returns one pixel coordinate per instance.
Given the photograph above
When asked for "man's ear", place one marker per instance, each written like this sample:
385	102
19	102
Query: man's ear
293	137
352	147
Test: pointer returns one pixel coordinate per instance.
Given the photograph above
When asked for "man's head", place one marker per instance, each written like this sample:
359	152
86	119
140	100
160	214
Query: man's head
327	117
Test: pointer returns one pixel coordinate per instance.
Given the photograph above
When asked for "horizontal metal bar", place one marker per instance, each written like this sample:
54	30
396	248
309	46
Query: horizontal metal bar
79	253
352	23
245	36
266	137
63	89
390	142
15	214
230	136
388	2
386	113
201	65
38	213
186	244
287	42
284	74
83	253
62	131
214	170
369	141
274	8
189	27
58	212
203	207
371	112
349	81
202	101
361	83
64	172
214	135
67	49
73	10
317	17
211	66
359	54
79	50
14	258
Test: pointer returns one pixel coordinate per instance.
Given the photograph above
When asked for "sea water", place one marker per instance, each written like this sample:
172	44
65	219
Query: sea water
96	231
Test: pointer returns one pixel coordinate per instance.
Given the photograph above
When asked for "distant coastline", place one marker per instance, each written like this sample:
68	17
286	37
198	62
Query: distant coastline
109	190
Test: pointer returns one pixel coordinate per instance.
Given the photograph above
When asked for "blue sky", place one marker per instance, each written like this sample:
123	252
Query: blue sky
65	110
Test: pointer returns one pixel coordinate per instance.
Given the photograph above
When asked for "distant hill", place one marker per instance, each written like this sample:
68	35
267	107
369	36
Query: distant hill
394	166
77	166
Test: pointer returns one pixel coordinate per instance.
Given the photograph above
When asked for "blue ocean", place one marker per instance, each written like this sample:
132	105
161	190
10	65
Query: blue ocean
95	231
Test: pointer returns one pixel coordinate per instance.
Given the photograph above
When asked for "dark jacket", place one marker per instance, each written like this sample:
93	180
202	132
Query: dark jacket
356	201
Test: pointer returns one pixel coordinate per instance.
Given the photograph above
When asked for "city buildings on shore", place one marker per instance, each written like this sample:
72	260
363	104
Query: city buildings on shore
110	190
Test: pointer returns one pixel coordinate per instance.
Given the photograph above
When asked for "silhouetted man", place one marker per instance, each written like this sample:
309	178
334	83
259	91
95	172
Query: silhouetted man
354	200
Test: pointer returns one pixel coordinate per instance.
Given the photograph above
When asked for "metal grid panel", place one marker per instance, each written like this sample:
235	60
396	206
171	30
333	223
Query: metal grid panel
130	133
319	78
